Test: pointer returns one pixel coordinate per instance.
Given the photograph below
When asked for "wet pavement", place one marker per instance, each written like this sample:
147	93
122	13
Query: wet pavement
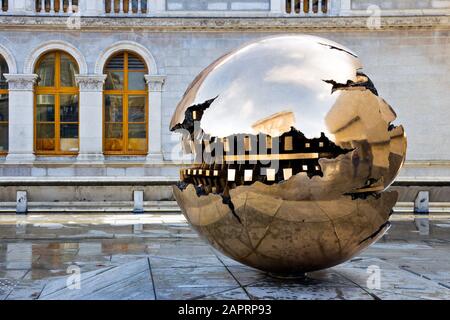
161	257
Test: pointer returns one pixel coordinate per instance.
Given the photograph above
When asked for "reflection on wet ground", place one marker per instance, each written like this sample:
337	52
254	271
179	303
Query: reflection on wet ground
160	256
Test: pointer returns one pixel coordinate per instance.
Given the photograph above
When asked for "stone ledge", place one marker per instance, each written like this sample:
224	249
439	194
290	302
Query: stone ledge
231	24
422	181
158	207
167	180
88	181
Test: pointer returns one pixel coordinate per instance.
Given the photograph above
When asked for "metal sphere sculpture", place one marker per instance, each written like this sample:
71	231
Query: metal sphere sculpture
293	149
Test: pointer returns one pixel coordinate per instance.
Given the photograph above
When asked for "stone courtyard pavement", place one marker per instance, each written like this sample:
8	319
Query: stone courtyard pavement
161	257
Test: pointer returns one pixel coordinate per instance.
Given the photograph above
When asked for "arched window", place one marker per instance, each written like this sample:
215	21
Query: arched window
56	114
3	107
125	105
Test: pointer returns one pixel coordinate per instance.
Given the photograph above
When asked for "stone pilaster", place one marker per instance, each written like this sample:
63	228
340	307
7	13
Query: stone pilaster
21	117
91	117
155	85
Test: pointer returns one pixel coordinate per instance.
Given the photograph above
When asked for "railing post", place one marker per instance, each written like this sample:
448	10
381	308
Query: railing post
302	7
130	6
104	6
285	6
139	8
121	5
42	6
70	7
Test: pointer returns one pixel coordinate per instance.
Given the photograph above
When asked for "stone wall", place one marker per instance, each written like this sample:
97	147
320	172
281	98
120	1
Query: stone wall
409	67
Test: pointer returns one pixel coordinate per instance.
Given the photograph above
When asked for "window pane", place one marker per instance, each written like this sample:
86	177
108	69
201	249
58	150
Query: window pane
137	137
45	137
114	130
3	137
3	70
3	107
136	108
117	62
69	131
136	81
69	108
68	71
45	105
46	71
113	108
136	131
113	137
135	62
114	80
69	137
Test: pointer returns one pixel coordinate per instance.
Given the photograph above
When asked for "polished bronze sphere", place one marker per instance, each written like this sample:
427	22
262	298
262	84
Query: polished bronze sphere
293	151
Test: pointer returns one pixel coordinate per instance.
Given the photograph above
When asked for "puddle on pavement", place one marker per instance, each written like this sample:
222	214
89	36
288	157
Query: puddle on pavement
38	247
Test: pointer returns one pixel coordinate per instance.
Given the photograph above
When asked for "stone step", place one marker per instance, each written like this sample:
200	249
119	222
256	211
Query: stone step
156	207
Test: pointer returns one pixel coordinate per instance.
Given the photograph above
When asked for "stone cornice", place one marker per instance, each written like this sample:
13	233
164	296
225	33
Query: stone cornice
230	24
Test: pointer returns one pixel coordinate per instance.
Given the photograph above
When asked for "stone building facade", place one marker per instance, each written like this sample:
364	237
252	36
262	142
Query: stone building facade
404	46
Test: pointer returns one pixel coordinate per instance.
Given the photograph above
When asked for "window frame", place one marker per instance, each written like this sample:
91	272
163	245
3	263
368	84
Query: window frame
5	92
125	94
57	91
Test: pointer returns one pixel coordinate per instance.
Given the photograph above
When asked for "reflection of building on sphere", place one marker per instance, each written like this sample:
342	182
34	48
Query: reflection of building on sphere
293	151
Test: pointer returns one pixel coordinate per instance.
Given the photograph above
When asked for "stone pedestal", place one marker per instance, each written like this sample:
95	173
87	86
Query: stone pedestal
91	117
21	117
21	7
156	7
277	6
345	9
92	8
155	84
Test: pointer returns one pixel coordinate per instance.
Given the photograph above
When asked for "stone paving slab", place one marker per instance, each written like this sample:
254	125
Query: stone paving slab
165	259
130	281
